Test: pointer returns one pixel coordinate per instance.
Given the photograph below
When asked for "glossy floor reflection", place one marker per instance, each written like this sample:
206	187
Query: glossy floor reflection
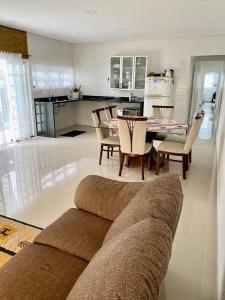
38	179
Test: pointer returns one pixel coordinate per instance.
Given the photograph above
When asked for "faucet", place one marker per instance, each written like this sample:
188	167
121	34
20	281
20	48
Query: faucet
50	97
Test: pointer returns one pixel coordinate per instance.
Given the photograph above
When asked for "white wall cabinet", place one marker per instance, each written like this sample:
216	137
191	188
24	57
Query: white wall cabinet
128	72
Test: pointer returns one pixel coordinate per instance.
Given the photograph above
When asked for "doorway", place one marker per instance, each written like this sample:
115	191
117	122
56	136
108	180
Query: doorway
208	104
206	93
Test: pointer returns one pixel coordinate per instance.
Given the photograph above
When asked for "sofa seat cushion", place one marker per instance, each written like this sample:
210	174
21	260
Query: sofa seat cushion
40	272
130	266
160	198
77	232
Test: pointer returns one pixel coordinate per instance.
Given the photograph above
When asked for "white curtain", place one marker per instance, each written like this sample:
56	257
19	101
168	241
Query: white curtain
49	77
16	105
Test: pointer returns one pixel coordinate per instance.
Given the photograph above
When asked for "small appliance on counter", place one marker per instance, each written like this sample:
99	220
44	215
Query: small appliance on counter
75	93
158	91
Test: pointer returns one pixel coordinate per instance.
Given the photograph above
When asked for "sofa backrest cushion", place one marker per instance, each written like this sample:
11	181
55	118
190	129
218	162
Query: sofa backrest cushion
160	198
105	197
132	265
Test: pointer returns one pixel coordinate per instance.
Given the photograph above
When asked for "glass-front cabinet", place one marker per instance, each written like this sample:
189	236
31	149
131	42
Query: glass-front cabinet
128	72
115	72
140	72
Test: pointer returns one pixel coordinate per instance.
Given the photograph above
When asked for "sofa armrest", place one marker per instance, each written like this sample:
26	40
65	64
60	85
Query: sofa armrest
105	197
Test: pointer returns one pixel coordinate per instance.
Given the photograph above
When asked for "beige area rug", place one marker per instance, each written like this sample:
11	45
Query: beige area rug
14	235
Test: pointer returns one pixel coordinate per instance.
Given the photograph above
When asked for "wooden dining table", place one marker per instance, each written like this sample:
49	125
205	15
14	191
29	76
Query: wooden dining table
154	126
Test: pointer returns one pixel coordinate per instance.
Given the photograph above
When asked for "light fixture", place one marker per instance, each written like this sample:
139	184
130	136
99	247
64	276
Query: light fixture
91	12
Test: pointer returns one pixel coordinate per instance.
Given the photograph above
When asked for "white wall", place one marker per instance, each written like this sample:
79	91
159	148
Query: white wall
92	63
50	51
221	199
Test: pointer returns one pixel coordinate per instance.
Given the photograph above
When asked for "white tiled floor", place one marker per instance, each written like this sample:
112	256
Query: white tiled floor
38	179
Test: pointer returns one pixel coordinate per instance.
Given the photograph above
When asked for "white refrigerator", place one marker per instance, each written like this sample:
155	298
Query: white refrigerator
158	91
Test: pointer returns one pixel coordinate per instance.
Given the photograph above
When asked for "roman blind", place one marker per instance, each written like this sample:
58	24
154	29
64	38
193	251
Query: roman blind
13	41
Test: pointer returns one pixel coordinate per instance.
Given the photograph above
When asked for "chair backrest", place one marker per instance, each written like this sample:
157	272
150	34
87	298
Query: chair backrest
98	115
111	112
193	133
132	134
163	111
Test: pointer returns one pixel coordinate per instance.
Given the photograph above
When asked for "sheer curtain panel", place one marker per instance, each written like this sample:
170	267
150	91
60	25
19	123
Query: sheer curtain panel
16	105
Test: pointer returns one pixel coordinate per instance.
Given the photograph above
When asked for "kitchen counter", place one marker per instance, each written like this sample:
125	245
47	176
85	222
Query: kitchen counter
56	113
64	99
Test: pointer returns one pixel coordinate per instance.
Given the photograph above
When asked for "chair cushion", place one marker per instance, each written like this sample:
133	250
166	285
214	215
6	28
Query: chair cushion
130	266
160	198
77	232
40	273
161	136
105	197
148	147
178	138
111	140
172	147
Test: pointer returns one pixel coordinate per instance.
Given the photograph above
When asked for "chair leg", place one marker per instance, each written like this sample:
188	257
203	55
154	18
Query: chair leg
158	162
121	163
100	157
128	161
187	162
107	152
149	162
190	157
112	151
184	166
142	168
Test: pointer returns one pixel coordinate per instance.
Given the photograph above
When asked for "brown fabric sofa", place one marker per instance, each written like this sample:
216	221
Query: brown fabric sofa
116	244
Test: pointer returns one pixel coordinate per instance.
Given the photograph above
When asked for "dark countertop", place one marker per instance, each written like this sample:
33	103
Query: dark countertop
64	99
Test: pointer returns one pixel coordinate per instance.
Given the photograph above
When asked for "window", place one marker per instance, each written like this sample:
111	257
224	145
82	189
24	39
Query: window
211	80
16	108
46	77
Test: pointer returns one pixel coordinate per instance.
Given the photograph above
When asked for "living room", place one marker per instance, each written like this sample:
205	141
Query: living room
85	117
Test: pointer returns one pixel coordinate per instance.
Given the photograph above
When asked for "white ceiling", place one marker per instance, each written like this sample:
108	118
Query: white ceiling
116	20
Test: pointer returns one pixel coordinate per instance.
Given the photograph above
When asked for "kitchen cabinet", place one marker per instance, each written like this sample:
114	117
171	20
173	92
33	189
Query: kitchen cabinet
128	72
45	119
140	72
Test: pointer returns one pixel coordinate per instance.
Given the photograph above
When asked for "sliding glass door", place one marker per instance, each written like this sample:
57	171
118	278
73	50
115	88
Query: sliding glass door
16	107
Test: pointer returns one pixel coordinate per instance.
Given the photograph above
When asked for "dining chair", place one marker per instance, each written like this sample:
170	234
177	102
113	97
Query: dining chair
162	111
178	138
111	112
132	134
107	142
180	149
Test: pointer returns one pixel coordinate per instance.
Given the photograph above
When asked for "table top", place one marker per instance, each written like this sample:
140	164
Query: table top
153	124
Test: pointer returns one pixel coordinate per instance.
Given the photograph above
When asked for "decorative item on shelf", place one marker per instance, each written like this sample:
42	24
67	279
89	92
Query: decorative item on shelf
76	93
129	84
115	76
138	63
116	66
169	72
